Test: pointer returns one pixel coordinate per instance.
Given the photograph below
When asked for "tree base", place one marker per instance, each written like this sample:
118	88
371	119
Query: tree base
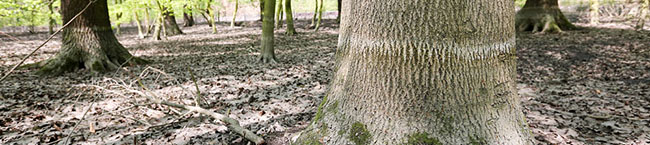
70	60
542	21
268	59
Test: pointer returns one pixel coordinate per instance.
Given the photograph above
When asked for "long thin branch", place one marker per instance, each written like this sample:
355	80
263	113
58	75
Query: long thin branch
230	123
48	40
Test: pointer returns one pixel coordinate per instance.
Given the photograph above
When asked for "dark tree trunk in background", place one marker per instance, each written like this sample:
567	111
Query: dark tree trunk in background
427	72
88	42
338	17
188	20
171	27
542	16
267	53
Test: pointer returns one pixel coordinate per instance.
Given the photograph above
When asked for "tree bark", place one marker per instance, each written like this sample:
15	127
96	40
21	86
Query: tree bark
423	72
542	16
287	9
643	14
170	23
88	42
267	54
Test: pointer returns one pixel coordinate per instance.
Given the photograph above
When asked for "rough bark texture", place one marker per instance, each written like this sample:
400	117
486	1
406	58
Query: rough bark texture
423	72
542	16
287	9
267	54
88	42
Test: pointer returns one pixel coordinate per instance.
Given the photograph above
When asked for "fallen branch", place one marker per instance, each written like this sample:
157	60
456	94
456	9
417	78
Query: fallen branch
232	124
10	37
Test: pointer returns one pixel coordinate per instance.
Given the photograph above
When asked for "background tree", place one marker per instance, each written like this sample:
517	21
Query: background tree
594	11
88	41
234	14
278	14
542	16
188	17
267	53
449	81
290	28
171	27
320	16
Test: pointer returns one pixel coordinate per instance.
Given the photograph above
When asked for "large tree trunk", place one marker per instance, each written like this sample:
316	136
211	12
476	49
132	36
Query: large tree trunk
267	54
287	9
542	16
171	27
423	72
88	41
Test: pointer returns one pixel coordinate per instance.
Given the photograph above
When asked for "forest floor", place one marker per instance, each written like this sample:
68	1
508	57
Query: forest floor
588	86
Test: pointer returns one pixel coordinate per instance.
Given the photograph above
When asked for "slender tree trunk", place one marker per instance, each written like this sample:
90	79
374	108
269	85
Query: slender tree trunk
542	16
427	72
594	12
338	16
320	16
158	27
52	22
88	41
147	24
313	19
278	16
643	14
138	24
287	9
267	53
118	16
234	14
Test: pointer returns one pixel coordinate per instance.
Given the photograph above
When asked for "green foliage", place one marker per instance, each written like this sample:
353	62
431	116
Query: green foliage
28	12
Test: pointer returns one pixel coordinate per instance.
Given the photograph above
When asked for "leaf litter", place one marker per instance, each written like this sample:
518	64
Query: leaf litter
588	86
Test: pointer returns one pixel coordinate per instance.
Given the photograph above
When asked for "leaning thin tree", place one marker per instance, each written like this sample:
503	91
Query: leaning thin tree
423	72
88	42
542	16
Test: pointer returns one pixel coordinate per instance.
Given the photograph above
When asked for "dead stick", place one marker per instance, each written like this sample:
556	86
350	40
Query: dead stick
230	123
48	40
10	37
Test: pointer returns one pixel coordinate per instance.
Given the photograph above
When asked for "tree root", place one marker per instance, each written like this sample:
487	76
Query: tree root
545	21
